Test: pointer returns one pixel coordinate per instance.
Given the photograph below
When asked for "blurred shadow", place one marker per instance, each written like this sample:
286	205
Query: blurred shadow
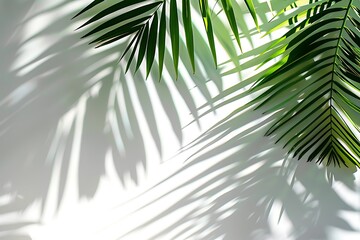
234	197
65	108
253	190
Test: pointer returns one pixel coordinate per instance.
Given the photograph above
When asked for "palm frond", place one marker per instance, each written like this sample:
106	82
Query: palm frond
314	88
139	19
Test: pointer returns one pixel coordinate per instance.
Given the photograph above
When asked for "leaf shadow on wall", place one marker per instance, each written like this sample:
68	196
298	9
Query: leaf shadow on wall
61	122
246	186
66	109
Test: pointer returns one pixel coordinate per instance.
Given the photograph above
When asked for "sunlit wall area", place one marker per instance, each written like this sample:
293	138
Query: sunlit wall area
90	151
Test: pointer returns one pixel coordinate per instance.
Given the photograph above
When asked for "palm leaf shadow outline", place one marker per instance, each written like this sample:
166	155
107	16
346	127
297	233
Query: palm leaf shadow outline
71	116
309	210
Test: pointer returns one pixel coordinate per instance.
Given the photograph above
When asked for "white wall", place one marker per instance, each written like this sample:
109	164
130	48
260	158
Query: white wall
87	152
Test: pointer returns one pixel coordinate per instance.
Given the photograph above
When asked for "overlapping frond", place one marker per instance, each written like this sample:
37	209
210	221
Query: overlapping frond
139	20
314	88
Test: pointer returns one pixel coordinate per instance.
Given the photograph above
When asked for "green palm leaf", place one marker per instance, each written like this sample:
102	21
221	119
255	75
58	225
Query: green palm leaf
174	34
314	88
131	18
186	13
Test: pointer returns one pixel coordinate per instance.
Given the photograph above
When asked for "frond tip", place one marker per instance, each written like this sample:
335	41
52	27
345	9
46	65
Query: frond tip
316	84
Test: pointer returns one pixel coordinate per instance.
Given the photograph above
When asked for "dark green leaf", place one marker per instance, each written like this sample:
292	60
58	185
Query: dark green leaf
150	53
251	7
124	18
134	49
174	34
87	8
186	15
116	7
206	16
162	34
227	6
143	45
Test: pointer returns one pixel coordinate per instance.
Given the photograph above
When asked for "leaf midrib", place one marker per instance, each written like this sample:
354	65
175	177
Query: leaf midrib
337	47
